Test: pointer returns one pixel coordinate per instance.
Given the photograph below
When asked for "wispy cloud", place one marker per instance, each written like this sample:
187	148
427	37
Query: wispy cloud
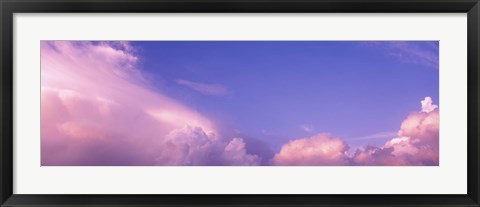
424	53
380	135
306	128
205	88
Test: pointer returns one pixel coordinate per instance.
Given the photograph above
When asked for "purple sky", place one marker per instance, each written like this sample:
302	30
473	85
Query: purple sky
267	93
274	88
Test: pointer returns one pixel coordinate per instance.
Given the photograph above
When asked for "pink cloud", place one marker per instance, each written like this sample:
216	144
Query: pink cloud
193	146
417	143
97	109
322	149
235	153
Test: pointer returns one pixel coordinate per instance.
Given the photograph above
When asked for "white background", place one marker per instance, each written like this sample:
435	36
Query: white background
449	177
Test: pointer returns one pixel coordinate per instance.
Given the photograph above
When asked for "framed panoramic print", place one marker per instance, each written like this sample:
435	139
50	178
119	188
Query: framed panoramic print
239	103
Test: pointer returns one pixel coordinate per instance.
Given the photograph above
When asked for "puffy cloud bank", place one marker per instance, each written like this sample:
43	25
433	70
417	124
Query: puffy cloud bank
417	143
98	110
319	150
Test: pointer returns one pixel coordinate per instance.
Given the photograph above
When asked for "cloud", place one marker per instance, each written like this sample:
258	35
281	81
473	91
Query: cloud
427	105
321	149
189	146
379	135
236	154
207	89
416	143
194	147
260	148
97	109
413	52
306	128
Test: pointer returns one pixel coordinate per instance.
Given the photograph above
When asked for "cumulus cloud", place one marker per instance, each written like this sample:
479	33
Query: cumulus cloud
188	146
416	143
204	88
321	149
97	109
194	147
235	153
427	105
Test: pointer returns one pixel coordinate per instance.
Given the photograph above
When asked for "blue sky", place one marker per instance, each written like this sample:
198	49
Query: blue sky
274	91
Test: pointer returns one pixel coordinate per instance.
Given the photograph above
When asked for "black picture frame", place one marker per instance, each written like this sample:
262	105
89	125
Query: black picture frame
9	7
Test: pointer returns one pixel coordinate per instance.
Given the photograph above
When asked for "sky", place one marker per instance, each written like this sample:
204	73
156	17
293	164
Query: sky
240	103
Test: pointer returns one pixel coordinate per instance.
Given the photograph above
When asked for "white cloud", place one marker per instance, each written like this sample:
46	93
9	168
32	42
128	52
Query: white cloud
427	105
